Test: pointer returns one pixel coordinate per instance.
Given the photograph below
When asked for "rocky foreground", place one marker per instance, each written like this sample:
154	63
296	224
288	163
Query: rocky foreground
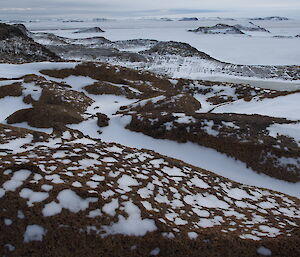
65	194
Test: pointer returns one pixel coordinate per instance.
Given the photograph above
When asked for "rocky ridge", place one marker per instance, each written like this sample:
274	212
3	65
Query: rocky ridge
17	47
167	58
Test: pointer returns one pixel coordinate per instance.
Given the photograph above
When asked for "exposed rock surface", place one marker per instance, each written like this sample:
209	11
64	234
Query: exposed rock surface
17	47
219	29
170	109
251	27
103	120
176	48
167	58
74	195
52	103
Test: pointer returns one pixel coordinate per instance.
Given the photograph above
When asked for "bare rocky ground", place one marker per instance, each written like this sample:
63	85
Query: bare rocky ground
168	109
165	58
63	193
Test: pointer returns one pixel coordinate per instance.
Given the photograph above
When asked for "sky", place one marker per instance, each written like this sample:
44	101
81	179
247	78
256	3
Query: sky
129	8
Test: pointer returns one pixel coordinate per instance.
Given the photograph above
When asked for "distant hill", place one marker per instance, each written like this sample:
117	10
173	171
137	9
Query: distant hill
90	30
189	19
219	29
271	18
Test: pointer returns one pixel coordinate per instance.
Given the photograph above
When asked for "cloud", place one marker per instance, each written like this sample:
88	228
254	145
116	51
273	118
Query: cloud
128	7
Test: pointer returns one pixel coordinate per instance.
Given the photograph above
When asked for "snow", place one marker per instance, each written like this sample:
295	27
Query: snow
250	236
16	144
9	105
31	89
94	213
55	178
34	233
51	209
228	48
125	182
72	202
8	222
20	214
282	106
97	178
10	247
269	230
134	225
19	70
199	156
77	82
76	184
205	223
17	180
199	183
110	208
264	251
173	171
238	194
33	197
201	213
206	200
155	251
196	155
290	130
192	235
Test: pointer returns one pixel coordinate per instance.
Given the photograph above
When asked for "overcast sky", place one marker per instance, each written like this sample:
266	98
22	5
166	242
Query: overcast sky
124	8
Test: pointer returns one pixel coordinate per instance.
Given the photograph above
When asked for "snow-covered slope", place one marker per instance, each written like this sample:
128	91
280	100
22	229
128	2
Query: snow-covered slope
155	114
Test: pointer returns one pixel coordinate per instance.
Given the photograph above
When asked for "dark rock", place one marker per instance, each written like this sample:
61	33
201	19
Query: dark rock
219	29
90	30
17	47
14	89
189	19
45	116
176	48
252	27
103	120
271	18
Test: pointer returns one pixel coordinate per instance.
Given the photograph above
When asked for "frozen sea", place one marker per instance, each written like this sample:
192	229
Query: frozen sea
255	48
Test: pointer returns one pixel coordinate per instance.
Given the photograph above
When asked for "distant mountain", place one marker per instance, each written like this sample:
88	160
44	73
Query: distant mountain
189	19
271	18
251	27
101	19
90	30
166	19
17	47
219	29
73	20
280	36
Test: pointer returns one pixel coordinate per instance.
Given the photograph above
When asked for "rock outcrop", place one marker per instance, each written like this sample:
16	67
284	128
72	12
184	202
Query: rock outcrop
17	47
